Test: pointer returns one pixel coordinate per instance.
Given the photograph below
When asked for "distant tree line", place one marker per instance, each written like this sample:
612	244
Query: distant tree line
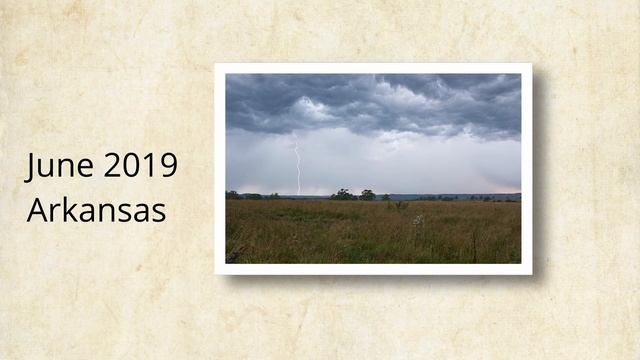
438	198
365	195
343	194
233	195
455	197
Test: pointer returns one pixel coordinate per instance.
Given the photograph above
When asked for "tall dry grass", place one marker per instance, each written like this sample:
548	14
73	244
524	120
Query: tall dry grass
348	232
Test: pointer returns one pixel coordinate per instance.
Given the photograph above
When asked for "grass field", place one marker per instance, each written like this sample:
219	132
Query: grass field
350	232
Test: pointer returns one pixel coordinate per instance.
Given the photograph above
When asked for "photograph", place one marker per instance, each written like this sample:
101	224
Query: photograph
374	169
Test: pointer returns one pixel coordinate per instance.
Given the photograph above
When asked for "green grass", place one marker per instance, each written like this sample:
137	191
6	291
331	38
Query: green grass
356	232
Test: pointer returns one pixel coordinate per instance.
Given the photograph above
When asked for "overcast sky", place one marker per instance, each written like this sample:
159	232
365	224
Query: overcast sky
409	133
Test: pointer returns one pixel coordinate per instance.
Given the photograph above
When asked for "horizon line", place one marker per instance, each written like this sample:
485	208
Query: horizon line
444	193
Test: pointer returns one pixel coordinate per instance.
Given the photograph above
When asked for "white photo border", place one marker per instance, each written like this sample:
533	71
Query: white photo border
524	268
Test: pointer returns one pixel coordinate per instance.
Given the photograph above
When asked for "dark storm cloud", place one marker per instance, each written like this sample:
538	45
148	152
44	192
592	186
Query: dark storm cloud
483	105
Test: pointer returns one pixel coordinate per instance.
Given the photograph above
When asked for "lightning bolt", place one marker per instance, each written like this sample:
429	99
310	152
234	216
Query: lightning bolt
298	163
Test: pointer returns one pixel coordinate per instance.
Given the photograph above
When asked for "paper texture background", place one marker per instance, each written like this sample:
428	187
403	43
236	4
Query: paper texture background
82	78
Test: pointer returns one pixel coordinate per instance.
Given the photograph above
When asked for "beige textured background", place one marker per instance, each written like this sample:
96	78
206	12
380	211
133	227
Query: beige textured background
80	78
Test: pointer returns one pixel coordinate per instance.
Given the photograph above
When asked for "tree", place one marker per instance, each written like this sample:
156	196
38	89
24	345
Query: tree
273	196
253	196
343	194
232	195
367	195
386	197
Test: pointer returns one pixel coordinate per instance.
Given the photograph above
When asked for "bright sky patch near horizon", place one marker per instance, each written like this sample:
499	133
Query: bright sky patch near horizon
392	133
